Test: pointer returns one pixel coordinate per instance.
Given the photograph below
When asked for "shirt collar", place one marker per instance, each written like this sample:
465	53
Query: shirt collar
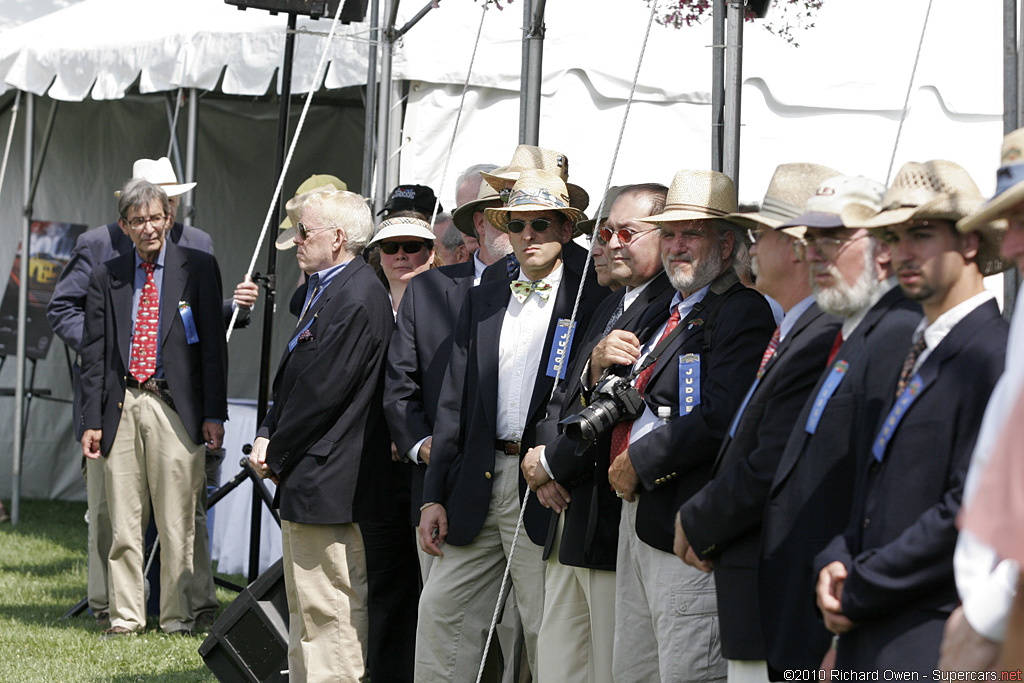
934	333
632	293
792	315
553	278
327	274
478	265
159	257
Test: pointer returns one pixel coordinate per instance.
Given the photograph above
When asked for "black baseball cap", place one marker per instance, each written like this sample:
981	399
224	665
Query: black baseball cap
419	198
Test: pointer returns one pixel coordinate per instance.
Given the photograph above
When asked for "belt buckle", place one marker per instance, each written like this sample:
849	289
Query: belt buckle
150	385
512	447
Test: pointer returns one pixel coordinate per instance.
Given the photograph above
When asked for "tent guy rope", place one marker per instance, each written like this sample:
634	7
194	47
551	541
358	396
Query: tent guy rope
906	101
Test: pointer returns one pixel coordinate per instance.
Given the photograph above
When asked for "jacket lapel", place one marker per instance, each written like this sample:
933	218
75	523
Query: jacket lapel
122	287
175	277
494	295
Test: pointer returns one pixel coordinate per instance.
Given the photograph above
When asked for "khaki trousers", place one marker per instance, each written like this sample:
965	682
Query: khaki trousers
578	629
457	603
666	615
325	580
152	459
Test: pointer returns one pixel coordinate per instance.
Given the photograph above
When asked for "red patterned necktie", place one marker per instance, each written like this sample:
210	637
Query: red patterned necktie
768	353
621	431
835	347
147	329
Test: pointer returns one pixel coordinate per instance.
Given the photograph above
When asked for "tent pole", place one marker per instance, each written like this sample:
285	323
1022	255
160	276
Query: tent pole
524	72
1011	121
190	155
533	68
717	81
384	106
370	102
733	87
19	382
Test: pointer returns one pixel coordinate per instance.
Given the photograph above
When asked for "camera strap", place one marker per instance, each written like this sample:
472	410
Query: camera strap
653	356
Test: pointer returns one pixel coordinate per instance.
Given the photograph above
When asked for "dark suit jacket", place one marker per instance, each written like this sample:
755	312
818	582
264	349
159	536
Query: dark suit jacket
812	490
590	534
462	455
723	520
674	461
196	373
418	358
898	545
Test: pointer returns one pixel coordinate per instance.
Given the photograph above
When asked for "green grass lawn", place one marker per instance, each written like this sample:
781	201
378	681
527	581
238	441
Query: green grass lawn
42	575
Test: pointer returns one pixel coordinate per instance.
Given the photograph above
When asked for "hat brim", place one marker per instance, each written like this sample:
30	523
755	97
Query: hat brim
175	190
752	220
944	208
402	230
578	197
681	215
500	216
285	239
462	217
813	219
993	210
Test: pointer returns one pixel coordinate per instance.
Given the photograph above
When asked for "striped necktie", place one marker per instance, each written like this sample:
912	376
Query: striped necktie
768	353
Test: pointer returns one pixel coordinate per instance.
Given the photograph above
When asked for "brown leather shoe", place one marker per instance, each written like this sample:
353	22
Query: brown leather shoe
205	621
115	632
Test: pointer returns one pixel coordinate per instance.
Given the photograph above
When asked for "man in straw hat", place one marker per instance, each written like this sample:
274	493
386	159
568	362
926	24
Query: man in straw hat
721	524
474	197
66	313
985	580
703	347
509	346
577	630
325	441
811	493
886	584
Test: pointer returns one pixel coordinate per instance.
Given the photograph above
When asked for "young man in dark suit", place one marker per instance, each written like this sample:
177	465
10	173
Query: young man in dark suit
577	629
700	351
325	440
886	585
508	348
720	526
154	374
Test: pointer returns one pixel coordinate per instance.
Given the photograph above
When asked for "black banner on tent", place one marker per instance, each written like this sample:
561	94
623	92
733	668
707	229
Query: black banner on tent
354	10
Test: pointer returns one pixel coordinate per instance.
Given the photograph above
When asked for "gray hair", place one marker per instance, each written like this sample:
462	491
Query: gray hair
346	210
740	254
650	196
450	237
140	193
473	171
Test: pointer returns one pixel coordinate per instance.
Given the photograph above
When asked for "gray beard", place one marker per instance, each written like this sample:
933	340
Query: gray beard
703	273
847	300
497	245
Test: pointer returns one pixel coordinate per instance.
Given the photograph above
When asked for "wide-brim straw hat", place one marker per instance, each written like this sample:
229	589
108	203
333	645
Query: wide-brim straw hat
161	173
402	226
320	182
934	190
462	217
694	195
535	191
587	226
824	209
787	194
1009	186
529	157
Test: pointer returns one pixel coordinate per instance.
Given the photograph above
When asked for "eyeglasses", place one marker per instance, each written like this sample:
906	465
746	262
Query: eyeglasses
625	235
138	223
537	225
304	232
829	247
410	247
753	235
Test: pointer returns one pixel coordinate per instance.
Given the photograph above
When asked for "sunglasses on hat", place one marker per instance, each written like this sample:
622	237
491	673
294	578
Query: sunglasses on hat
410	247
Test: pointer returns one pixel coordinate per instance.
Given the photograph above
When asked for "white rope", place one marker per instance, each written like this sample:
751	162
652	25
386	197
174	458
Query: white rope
906	101
174	121
572	319
321	67
10	136
458	117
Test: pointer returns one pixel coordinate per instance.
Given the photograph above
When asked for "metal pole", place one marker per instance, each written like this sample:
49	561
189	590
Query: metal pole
734	84
384	107
524	72
416	19
395	142
370	103
535	43
717	81
19	382
189	201
1012	110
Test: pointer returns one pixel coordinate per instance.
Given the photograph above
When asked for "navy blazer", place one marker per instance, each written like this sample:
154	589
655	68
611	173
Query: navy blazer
590	533
811	493
329	443
196	373
898	545
418	358
462	455
674	461
723	520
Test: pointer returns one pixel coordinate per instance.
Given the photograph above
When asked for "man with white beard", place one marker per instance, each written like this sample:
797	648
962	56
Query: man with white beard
811	493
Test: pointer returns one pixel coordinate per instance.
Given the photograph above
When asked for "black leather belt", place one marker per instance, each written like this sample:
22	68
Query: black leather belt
157	387
507	447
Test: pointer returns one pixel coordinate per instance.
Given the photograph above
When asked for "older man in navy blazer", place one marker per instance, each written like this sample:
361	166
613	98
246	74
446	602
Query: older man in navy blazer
154	380
886	585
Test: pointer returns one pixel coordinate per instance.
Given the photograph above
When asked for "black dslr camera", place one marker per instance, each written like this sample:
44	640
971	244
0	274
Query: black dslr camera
614	400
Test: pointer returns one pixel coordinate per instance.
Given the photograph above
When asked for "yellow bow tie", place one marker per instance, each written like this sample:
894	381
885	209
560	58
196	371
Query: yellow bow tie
521	289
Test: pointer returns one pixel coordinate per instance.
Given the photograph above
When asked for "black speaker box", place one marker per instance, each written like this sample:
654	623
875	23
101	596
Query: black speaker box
354	10
250	640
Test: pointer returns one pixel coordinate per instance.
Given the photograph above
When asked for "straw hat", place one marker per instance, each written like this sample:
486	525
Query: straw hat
832	196
402	226
697	194
159	172
1009	188
934	190
528	157
587	226
293	207
462	217
535	191
788	191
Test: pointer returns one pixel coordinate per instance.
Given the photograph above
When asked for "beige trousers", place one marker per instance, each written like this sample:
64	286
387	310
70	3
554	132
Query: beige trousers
152	459
578	628
666	615
325	579
457	603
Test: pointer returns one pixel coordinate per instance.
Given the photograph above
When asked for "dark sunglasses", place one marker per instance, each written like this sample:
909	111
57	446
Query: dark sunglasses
537	225
625	235
305	232
410	247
